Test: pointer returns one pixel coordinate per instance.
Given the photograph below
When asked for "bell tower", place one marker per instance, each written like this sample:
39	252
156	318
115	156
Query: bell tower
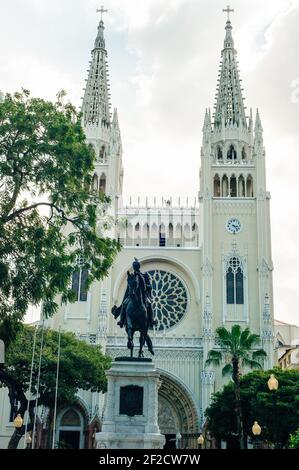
88	316
236	242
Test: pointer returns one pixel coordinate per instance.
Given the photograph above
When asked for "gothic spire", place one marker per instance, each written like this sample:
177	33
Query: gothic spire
229	107
258	131
207	122
258	123
115	118
96	105
100	40
116	142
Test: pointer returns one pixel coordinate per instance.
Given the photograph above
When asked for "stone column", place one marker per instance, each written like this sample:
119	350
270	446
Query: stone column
131	414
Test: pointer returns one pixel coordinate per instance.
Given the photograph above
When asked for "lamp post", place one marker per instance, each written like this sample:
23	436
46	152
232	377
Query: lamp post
18	421
201	441
273	383
256	431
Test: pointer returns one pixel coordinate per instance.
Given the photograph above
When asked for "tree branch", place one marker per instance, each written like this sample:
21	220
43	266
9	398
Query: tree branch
16	392
38	204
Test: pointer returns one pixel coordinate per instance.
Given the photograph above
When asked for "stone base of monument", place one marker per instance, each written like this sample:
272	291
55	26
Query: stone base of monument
131	413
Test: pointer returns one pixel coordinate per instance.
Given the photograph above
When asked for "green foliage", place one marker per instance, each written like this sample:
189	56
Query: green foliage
236	347
46	169
294	440
276	411
82	366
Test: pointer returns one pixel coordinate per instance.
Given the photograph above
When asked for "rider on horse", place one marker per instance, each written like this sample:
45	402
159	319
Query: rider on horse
144	280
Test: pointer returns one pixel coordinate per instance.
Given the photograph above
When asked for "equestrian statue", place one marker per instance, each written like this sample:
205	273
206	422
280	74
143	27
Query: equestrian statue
135	312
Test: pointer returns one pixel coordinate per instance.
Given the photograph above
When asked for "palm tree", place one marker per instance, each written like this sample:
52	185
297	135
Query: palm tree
237	346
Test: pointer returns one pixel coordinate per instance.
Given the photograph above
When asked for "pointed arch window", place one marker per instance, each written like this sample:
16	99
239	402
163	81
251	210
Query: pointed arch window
95	182
103	184
137	231
216	186
232	153
187	232
102	155
79	282
241	186
249	186
170	231
234	282
219	153
195	233
244	155
162	236
146	231
224	186
233	186
70	418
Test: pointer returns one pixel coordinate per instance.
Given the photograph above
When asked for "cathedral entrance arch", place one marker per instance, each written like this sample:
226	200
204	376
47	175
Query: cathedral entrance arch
178	413
70	429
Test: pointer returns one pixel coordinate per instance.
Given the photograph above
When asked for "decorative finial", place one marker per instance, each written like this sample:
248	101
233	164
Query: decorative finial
102	11
228	10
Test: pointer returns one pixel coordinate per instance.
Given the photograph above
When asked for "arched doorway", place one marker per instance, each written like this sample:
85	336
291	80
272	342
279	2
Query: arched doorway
177	413
70	429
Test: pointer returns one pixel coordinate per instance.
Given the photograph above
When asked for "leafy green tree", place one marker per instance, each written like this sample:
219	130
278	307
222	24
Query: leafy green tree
82	366
48	212
294	440
276	411
236	348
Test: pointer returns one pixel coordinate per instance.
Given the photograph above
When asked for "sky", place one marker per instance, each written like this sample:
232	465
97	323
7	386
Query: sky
163	60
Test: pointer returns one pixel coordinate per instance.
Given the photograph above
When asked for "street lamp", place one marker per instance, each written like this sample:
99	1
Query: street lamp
256	431
18	421
200	441
273	383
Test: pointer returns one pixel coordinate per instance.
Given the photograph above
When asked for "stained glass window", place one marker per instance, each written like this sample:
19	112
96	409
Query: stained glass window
79	279
234	282
169	298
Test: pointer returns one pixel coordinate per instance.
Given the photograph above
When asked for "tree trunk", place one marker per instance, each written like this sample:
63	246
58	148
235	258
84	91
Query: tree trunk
239	414
15	391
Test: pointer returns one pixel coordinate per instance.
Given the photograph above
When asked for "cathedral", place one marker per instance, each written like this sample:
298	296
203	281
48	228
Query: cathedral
209	261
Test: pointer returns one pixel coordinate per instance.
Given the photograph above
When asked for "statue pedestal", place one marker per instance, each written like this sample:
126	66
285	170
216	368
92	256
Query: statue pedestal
131	414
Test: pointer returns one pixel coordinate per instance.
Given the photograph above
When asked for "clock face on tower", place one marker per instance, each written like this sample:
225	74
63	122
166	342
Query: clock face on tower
234	226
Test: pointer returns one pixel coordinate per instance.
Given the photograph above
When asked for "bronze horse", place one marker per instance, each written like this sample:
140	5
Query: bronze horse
136	315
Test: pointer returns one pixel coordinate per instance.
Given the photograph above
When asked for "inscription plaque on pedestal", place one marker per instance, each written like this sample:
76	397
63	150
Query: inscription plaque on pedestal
131	400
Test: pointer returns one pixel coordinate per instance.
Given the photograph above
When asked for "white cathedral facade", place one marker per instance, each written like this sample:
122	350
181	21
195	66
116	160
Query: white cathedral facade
210	262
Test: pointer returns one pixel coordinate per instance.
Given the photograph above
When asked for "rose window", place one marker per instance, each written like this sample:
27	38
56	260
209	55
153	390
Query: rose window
169	298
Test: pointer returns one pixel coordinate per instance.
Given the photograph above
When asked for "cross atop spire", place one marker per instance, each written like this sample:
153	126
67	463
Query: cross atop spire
102	11
100	41
228	10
